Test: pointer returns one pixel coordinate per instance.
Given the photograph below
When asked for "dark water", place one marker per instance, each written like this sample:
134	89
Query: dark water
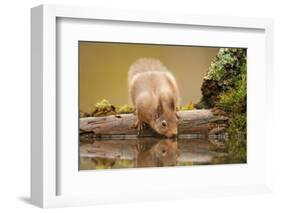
151	152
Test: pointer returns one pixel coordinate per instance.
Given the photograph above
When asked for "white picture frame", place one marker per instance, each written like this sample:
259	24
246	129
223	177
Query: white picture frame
45	153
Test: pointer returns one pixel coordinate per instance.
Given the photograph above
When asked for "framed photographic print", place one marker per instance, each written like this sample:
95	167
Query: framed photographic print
130	106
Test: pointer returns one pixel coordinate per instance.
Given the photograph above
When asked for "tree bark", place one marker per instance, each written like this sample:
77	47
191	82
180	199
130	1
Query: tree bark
122	126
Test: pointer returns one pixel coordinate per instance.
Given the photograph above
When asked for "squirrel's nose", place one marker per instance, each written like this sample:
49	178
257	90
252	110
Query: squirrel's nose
172	134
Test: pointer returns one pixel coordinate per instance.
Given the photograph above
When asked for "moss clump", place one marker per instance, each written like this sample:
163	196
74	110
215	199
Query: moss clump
225	87
83	114
222	75
189	106
234	98
104	108
226	63
87	163
237	143
234	101
125	109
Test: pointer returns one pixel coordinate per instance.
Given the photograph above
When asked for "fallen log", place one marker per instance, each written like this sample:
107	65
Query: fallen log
122	126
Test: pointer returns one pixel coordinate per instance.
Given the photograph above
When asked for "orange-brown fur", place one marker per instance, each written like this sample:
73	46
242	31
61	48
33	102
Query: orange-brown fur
162	153
154	93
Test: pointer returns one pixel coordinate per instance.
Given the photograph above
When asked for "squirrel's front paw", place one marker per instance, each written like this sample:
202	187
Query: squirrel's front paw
139	126
139	146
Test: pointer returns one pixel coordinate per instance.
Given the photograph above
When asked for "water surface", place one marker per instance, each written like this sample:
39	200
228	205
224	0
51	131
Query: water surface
151	152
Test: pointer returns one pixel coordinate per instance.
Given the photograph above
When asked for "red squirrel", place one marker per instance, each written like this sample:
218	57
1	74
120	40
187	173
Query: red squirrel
154	93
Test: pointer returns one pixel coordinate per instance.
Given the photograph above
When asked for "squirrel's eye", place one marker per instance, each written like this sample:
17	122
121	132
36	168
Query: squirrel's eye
164	123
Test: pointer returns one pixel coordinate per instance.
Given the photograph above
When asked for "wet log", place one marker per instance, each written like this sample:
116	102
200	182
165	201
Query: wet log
122	126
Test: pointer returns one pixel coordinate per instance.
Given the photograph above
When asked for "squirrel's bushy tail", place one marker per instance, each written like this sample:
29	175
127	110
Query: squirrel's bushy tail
145	65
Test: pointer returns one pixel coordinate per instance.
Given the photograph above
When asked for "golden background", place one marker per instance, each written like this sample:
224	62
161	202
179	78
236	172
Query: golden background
103	69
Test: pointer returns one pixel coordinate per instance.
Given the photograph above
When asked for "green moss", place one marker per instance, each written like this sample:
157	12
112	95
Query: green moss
226	65
223	74
124	163
104	108
237	143
217	67
225	87
84	114
125	109
104	163
234	99
189	106
185	163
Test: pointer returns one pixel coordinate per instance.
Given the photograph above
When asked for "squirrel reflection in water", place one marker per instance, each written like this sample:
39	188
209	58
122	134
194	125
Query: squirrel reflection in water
163	152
